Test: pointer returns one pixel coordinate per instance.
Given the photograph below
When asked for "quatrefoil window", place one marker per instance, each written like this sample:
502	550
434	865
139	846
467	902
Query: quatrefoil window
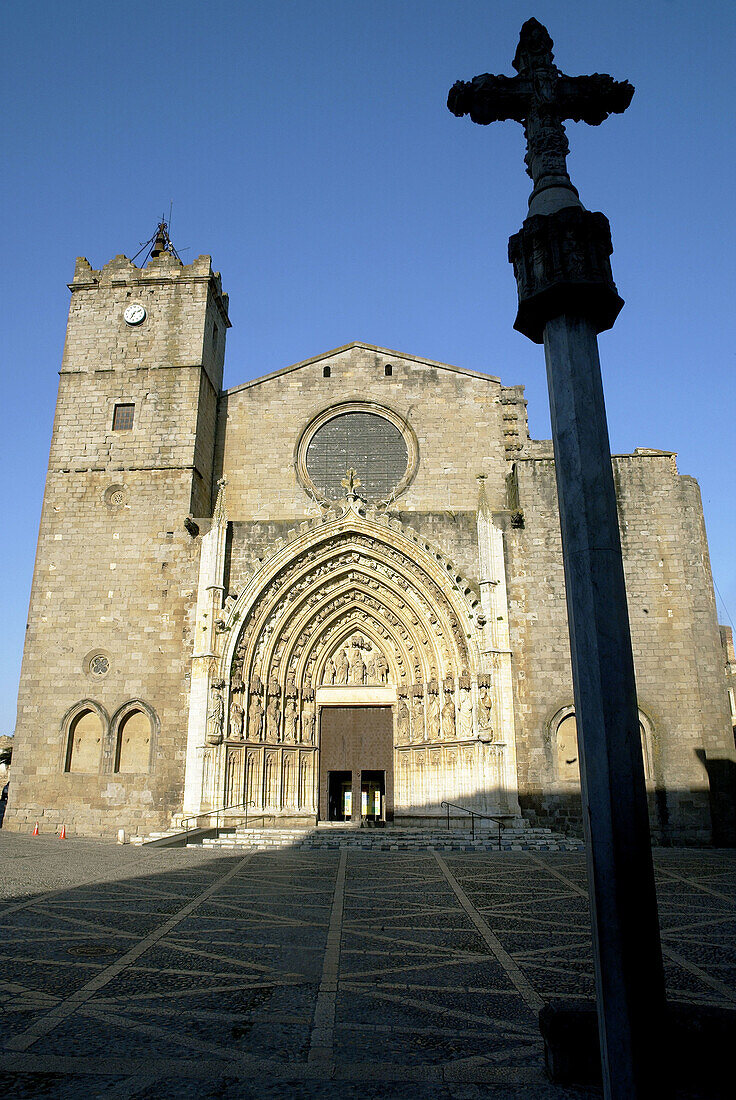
99	665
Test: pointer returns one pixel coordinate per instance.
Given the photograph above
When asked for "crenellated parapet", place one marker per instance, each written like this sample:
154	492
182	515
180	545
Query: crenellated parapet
164	268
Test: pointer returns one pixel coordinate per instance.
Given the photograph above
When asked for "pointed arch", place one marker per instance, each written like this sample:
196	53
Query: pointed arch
356	566
84	728
356	609
562	736
133	734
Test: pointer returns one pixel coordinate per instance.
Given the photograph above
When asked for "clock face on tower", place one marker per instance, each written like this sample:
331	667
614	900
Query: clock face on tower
134	314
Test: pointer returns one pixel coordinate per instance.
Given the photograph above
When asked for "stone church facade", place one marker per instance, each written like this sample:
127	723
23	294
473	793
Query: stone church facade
331	593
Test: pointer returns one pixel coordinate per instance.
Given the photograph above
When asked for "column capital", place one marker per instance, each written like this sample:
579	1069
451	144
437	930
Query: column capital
562	265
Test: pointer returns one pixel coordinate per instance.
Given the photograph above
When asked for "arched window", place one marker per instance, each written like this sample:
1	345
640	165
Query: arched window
564	730
568	764
133	748
646	733
84	741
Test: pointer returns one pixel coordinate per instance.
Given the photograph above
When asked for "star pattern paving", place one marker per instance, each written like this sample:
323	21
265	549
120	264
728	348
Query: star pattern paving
324	973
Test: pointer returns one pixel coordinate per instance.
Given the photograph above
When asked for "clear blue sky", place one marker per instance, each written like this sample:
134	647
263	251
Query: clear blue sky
307	147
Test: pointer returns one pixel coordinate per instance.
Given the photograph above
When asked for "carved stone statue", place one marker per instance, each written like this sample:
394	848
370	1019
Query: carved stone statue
341	668
465	716
402	722
434	732
215	716
485	706
357	666
381	668
448	718
308	724
255	718
290	720
330	673
371	668
236	721
417	718
273	719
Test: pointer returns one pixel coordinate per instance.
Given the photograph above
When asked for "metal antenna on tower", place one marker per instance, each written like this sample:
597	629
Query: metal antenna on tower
158	243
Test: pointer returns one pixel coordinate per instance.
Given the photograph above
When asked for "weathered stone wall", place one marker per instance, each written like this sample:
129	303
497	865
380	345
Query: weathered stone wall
674	632
116	572
729	667
465	424
457	416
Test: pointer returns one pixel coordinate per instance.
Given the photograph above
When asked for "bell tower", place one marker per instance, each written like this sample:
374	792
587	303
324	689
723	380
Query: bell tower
104	683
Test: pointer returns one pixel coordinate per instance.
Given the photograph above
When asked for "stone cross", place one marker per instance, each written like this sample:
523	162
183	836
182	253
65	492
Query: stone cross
566	297
351	482
541	97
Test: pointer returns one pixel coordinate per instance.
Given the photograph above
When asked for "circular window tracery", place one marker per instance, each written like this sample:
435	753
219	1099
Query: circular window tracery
372	441
115	496
96	664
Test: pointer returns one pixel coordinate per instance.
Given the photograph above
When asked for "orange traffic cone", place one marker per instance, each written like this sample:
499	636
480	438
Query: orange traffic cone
62	834
35	830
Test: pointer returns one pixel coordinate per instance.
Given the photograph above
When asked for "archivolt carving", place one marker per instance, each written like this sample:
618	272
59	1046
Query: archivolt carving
348	602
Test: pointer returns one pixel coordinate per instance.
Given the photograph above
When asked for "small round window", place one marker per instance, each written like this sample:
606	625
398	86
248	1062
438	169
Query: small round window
377	448
96	664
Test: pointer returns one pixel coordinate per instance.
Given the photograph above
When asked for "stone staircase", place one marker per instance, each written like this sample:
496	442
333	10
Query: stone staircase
517	837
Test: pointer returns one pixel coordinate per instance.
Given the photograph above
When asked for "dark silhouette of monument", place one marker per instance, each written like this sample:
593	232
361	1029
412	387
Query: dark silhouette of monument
566	297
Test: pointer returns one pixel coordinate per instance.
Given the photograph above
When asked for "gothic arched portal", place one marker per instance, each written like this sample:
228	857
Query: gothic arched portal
356	611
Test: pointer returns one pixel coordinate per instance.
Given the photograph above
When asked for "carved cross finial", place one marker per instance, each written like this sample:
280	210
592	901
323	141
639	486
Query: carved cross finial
541	97
219	514
483	506
351	481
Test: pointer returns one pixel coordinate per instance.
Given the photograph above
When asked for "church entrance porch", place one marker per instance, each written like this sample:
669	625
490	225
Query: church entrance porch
356	764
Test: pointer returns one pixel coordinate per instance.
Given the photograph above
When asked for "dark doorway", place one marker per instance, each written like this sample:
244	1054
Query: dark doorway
373	796
340	796
355	741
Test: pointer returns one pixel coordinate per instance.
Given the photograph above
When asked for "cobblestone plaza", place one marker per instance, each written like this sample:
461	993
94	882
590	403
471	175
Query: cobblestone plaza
179	973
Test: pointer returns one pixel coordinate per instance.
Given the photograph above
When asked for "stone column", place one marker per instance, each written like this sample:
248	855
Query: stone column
210	592
496	643
566	297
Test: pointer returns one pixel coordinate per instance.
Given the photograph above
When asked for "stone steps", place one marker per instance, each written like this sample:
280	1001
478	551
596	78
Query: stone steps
151	836
320	838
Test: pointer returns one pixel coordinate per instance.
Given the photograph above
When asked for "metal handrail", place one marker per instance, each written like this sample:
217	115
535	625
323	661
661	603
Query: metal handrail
220	810
473	815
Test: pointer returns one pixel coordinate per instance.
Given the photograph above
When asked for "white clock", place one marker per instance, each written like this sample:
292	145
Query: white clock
135	314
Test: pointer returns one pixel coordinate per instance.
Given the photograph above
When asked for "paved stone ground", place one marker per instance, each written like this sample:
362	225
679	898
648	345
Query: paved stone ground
178	974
